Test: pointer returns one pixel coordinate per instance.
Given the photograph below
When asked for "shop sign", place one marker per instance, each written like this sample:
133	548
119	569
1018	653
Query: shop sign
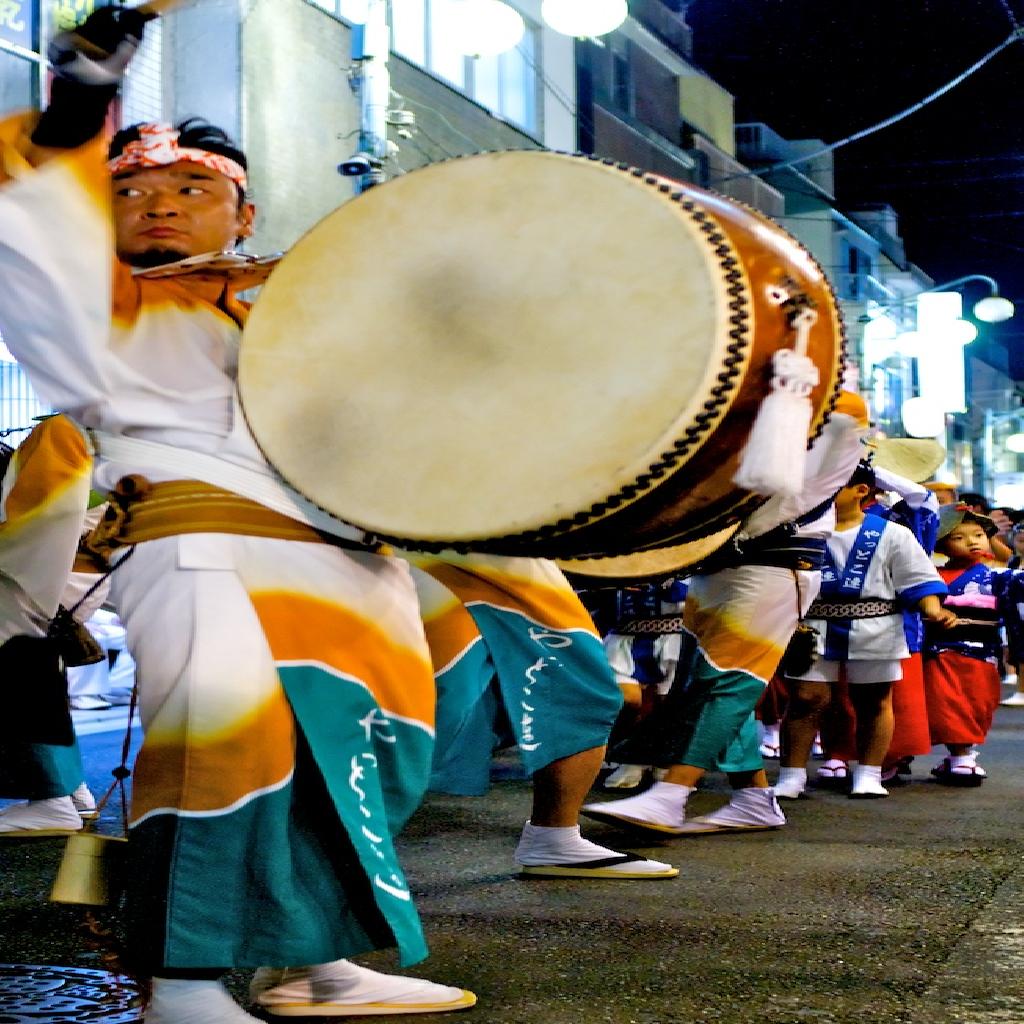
18	22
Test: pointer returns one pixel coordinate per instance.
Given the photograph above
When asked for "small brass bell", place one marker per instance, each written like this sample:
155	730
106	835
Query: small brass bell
88	870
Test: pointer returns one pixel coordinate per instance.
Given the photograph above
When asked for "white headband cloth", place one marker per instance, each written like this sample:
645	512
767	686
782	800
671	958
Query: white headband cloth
157	146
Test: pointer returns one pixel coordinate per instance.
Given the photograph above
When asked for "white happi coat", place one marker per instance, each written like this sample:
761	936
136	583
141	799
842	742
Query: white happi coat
899	568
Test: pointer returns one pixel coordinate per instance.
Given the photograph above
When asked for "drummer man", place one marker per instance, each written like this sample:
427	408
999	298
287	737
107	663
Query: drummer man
278	760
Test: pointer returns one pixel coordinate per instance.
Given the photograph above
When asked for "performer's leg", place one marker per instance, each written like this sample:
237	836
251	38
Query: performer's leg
559	788
873	704
47	776
962	695
742	620
551	843
712	710
753	805
342	637
807	700
871	693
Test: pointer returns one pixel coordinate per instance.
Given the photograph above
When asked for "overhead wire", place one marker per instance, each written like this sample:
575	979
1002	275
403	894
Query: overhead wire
1009	14
894	119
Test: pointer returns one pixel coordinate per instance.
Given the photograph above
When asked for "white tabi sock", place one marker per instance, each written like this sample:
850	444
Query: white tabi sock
545	844
790	783
54	816
342	987
185	1001
867	780
968	760
664	804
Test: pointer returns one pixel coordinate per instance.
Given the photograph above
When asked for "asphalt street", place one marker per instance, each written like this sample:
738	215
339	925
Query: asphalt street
900	910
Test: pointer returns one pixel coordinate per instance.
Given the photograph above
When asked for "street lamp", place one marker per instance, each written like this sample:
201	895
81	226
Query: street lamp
485	28
992	309
584	18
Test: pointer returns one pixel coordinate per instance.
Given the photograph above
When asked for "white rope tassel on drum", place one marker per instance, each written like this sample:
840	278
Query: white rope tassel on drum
772	462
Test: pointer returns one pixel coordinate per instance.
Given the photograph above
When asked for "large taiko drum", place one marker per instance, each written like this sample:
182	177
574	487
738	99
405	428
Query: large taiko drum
531	353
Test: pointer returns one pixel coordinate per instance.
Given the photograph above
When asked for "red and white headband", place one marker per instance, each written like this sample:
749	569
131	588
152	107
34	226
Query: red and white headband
157	146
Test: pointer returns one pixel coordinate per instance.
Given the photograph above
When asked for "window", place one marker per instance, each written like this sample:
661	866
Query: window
621	76
19	80
18	402
506	84
409	29
19	59
857	270
142	98
444	57
350	10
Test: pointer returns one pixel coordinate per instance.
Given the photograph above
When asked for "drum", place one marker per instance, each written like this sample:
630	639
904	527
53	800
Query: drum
531	353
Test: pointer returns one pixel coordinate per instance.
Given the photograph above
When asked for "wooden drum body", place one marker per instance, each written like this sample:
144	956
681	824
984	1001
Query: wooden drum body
531	353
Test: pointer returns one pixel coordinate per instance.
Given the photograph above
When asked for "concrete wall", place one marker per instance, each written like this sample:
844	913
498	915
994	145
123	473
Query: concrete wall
300	119
297	108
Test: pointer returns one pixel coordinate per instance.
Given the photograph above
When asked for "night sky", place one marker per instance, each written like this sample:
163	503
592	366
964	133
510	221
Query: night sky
952	171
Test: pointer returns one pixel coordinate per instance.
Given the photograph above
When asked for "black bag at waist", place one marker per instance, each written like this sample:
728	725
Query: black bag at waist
977	625
781	548
840	608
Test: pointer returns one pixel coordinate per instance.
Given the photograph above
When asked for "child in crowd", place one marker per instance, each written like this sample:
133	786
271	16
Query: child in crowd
873	569
961	666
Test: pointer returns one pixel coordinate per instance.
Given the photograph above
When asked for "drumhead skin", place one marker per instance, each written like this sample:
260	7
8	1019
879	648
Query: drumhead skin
501	349
643	566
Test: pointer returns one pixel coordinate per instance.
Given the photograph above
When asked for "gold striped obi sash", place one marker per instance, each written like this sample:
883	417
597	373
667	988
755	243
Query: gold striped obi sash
139	510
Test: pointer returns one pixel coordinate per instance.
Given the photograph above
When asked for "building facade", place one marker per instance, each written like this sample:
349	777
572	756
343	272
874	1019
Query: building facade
278	77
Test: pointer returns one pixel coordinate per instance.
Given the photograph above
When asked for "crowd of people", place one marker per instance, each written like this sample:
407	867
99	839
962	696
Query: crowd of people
301	685
922	662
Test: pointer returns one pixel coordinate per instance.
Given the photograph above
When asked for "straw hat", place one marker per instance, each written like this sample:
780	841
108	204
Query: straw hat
915	458
952	516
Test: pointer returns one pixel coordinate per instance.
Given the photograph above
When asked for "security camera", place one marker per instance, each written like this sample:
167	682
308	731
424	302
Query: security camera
358	165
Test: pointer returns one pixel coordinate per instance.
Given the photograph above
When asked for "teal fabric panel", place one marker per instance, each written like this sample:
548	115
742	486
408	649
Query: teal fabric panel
467	712
286	889
376	768
556	685
39	771
706	721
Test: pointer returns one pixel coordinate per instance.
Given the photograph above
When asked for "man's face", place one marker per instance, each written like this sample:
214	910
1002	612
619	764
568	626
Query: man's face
967	543
163	214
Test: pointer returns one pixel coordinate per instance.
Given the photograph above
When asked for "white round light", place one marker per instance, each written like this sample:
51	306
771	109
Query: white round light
923	418
584	18
1015	443
994	310
485	28
963	332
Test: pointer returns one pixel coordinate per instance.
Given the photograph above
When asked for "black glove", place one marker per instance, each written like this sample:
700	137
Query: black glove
88	64
100	49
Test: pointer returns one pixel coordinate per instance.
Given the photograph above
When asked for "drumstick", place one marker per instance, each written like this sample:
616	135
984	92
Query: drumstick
157	7
154	8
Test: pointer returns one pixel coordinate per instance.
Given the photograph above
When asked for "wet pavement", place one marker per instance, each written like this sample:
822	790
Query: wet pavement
857	912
